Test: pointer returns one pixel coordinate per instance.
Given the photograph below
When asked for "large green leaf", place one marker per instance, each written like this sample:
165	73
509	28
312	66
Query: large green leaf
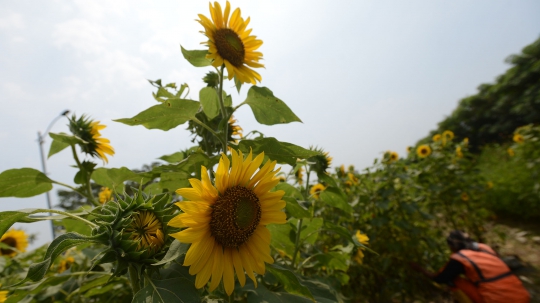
23	182
209	101
282	237
62	243
172	290
62	141
296	210
290	280
267	108
8	218
197	58
27	294
174	157
334	196
175	250
114	177
174	180
282	152
165	116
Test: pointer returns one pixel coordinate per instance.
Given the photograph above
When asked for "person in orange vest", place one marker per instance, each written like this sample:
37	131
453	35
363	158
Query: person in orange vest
487	279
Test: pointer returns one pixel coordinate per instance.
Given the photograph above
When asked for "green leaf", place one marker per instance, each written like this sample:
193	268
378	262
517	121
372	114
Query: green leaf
56	147
334	260
72	225
281	237
210	102
165	116
23	182
114	178
174	180
295	209
334	197
197	58
290	281
172	290
310	229
175	250
173	158
8	218
267	108
67	138
62	243
282	152
26	295
290	191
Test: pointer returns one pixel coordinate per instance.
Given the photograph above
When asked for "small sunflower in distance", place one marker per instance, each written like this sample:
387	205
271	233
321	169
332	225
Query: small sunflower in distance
464	196
518	138
16	239
226	222
89	131
511	152
459	152
316	190
436	137
105	195
447	136
230	43
235	130
393	156
423	151
299	174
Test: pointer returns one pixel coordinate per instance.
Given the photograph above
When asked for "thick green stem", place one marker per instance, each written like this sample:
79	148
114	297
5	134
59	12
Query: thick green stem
67	215
210	130
223	111
90	196
297	241
134	279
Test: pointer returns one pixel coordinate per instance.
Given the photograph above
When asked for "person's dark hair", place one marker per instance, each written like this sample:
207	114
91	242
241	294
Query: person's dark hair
459	240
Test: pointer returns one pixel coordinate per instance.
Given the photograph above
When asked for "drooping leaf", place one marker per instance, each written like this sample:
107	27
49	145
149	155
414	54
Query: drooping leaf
334	197
56	147
295	209
209	101
267	108
174	290
282	152
197	58
23	182
62	243
114	178
166	115
290	281
175	250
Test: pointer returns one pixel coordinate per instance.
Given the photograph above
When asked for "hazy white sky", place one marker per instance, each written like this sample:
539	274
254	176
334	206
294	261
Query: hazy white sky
364	76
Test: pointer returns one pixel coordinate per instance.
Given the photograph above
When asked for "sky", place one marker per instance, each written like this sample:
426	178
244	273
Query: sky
364	76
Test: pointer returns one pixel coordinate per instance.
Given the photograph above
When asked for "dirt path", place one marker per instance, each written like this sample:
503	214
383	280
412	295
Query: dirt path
522	240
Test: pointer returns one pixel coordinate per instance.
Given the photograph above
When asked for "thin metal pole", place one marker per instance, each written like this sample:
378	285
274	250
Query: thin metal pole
44	169
41	140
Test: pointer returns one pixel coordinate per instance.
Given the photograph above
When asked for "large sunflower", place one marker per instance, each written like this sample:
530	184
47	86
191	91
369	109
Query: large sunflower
230	43
16	239
3	295
226	221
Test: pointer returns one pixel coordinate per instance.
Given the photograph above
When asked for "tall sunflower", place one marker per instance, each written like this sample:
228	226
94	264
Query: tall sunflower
226	222
230	43
89	131
423	151
16	239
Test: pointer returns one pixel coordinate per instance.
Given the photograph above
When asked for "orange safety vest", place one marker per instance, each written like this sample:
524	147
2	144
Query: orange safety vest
492	277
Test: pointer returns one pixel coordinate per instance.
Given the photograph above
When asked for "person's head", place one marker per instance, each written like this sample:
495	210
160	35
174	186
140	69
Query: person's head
458	240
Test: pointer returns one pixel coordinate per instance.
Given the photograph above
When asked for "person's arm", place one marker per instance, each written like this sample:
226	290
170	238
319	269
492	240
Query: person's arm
451	271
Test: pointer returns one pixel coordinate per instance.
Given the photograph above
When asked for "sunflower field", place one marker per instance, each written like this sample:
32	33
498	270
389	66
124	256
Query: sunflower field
242	217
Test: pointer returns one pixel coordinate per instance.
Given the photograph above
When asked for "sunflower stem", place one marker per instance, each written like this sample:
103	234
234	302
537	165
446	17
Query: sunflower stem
67	215
134	279
297	241
223	111
210	130
89	195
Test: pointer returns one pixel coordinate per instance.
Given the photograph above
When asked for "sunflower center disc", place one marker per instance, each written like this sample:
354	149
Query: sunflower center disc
10	242
235	216
229	46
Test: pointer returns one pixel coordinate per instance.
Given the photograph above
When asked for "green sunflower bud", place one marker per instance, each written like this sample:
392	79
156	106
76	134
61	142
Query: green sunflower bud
136	229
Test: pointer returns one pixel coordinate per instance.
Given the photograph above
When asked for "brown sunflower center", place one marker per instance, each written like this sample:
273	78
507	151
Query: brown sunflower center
9	241
423	151
229	46
235	216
